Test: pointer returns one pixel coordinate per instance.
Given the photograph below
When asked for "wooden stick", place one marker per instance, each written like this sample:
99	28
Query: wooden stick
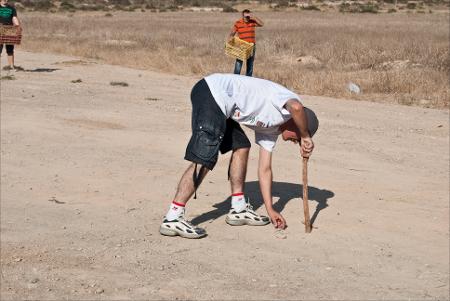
305	196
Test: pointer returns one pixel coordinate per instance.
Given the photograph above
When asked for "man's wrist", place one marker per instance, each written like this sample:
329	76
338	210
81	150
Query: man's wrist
305	136
269	208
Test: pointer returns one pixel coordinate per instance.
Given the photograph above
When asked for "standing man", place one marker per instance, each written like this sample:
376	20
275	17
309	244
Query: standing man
8	16
245	28
220	102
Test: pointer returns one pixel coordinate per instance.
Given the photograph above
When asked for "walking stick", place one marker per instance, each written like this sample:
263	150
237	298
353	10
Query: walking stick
305	196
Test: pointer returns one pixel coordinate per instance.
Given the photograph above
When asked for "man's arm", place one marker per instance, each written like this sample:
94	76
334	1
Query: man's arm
258	21
232	33
265	184
15	21
298	115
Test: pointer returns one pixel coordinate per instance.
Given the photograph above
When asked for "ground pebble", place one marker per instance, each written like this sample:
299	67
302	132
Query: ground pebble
34	280
280	234
99	291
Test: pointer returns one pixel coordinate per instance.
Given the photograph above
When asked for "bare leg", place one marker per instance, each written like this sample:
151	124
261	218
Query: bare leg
11	61
186	186
238	169
238	214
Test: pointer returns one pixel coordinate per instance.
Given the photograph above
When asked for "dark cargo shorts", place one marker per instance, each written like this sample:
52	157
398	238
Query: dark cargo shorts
211	130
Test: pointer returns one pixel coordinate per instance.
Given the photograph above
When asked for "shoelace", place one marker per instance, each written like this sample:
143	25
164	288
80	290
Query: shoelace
186	221
250	208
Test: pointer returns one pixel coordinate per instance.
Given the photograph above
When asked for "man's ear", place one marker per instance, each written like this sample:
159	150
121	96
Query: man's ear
313	124
289	130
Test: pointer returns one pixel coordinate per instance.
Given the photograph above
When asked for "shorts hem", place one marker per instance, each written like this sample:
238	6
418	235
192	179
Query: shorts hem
194	159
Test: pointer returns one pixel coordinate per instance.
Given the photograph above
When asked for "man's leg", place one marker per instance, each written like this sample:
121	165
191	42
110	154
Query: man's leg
238	169
10	53
241	212
208	126
249	71
237	174
1	51
174	222
11	61
238	66
186	186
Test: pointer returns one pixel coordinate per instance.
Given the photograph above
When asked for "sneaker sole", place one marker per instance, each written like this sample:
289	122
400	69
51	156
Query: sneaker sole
242	222
170	232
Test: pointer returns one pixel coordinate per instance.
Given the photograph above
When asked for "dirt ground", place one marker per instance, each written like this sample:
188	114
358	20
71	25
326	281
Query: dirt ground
88	170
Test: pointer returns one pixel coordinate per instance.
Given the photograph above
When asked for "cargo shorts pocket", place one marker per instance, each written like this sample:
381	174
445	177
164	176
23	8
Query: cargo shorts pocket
205	143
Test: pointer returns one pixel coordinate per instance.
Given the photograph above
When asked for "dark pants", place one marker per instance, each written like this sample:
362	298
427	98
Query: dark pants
249	63
9	49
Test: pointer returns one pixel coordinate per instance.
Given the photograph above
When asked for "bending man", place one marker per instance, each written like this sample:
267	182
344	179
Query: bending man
220	102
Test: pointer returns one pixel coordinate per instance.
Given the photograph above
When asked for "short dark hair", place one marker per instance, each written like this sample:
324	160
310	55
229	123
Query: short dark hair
245	11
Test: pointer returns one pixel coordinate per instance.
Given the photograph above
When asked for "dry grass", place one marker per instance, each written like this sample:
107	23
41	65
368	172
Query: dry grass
351	47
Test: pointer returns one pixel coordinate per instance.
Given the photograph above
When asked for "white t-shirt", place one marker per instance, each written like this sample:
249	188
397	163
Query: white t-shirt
254	102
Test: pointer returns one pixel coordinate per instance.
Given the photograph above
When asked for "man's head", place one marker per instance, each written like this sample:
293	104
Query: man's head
246	14
289	130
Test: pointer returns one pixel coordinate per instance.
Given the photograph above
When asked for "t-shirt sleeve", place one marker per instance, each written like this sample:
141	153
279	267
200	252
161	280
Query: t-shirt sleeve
282	95
14	12
266	141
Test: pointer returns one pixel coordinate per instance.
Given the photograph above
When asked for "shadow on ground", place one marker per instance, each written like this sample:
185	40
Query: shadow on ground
39	70
285	192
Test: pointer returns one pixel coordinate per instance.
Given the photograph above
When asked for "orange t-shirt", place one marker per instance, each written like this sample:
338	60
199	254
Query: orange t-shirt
246	31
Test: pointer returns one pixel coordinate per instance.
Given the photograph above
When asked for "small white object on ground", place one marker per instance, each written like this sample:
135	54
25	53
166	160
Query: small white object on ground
280	234
353	88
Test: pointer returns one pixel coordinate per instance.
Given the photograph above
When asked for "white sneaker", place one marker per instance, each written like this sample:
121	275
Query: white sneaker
182	228
246	217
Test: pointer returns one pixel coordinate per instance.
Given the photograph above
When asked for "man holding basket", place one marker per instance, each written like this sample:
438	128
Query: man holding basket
8	17
245	29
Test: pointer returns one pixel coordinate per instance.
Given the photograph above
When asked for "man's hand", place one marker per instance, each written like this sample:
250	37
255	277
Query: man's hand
256	20
277	219
306	147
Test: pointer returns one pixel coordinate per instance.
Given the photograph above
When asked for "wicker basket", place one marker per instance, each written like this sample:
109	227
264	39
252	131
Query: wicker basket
239	49
10	34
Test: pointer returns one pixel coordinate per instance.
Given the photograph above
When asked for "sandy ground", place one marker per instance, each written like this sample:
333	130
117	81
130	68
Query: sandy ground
88	170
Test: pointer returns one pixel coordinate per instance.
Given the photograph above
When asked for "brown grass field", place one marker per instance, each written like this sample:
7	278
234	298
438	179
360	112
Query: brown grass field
359	48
